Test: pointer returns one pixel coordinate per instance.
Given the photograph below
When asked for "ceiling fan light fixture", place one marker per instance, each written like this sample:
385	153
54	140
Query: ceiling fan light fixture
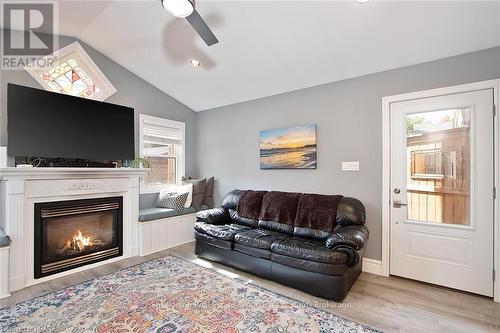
178	8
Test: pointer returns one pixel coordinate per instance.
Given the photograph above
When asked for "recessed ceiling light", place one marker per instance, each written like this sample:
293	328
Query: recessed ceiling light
195	63
362	1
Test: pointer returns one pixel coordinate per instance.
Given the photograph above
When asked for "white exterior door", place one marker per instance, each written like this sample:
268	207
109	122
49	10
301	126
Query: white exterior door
442	176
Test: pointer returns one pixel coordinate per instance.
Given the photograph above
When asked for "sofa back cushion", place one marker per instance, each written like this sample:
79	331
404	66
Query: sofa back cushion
316	215
303	215
250	204
244	206
278	211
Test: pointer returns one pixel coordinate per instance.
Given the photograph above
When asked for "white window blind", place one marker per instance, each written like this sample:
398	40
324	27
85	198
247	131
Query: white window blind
157	139
162	133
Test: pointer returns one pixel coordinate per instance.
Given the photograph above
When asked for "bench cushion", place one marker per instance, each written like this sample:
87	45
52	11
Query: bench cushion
154	213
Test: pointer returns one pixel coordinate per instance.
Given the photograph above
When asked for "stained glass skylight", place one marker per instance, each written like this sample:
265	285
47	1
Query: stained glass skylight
74	73
71	79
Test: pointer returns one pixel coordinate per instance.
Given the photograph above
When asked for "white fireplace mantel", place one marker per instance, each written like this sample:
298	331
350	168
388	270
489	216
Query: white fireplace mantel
21	188
64	173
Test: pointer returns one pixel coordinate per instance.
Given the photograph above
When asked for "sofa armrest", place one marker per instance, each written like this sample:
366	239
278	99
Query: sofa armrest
355	236
213	216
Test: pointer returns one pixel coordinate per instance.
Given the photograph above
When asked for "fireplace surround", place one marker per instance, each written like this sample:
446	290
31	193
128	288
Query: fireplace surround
23	188
73	233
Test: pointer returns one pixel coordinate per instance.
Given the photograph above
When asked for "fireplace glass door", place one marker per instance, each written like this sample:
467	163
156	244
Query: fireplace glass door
69	234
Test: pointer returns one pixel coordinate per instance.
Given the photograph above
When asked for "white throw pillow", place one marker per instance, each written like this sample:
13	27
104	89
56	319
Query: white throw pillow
188	188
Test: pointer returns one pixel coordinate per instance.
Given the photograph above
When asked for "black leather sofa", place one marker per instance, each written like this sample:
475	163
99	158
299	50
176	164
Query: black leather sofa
310	242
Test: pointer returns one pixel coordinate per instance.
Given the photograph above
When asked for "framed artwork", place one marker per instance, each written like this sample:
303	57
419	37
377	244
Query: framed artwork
288	148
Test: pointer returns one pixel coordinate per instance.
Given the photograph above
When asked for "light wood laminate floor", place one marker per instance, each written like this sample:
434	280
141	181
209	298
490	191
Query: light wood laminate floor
390	304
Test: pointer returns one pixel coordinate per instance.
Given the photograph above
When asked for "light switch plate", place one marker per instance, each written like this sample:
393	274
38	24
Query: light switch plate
350	166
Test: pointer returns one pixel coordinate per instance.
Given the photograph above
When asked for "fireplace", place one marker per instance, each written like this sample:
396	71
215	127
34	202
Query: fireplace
69	234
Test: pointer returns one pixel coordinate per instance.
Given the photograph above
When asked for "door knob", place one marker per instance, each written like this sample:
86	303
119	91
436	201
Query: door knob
398	204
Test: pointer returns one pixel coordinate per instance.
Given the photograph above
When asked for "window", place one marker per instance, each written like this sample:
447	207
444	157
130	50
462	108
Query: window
433	164
162	144
438	166
74	73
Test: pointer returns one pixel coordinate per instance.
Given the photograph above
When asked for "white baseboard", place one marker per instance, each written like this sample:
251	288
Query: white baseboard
372	266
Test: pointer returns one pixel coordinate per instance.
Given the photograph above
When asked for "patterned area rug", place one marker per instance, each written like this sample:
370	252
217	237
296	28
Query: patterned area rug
169	295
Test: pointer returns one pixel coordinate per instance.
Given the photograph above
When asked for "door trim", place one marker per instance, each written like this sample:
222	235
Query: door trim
386	172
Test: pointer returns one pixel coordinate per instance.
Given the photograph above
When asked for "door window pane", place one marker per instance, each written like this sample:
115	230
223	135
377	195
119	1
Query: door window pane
438	166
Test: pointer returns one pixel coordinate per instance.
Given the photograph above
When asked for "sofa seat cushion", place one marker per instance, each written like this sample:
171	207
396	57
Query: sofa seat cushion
154	213
216	242
309	249
308	265
224	231
252	251
259	238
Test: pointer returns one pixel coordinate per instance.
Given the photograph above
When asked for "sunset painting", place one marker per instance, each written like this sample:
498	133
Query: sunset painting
288	148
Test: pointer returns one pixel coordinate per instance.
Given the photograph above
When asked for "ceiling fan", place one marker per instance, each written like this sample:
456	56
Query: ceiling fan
186	9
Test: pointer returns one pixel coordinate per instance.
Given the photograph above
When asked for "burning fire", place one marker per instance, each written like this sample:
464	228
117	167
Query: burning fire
79	242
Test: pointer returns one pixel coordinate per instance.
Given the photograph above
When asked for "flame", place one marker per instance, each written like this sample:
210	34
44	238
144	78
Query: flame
79	242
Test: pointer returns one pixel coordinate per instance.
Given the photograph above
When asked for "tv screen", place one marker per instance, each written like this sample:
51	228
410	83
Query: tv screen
51	125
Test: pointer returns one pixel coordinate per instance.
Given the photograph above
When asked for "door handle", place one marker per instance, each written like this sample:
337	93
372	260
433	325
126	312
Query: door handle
398	204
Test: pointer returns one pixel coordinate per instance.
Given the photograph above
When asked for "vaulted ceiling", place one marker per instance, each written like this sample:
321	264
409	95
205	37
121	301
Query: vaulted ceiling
270	47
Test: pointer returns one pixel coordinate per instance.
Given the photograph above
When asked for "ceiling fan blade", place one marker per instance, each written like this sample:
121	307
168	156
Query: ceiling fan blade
202	28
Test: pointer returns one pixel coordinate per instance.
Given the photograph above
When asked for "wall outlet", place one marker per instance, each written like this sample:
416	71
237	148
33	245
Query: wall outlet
350	166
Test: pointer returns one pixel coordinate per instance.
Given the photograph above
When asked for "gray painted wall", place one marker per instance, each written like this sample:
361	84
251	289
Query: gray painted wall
132	91
348	115
224	142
